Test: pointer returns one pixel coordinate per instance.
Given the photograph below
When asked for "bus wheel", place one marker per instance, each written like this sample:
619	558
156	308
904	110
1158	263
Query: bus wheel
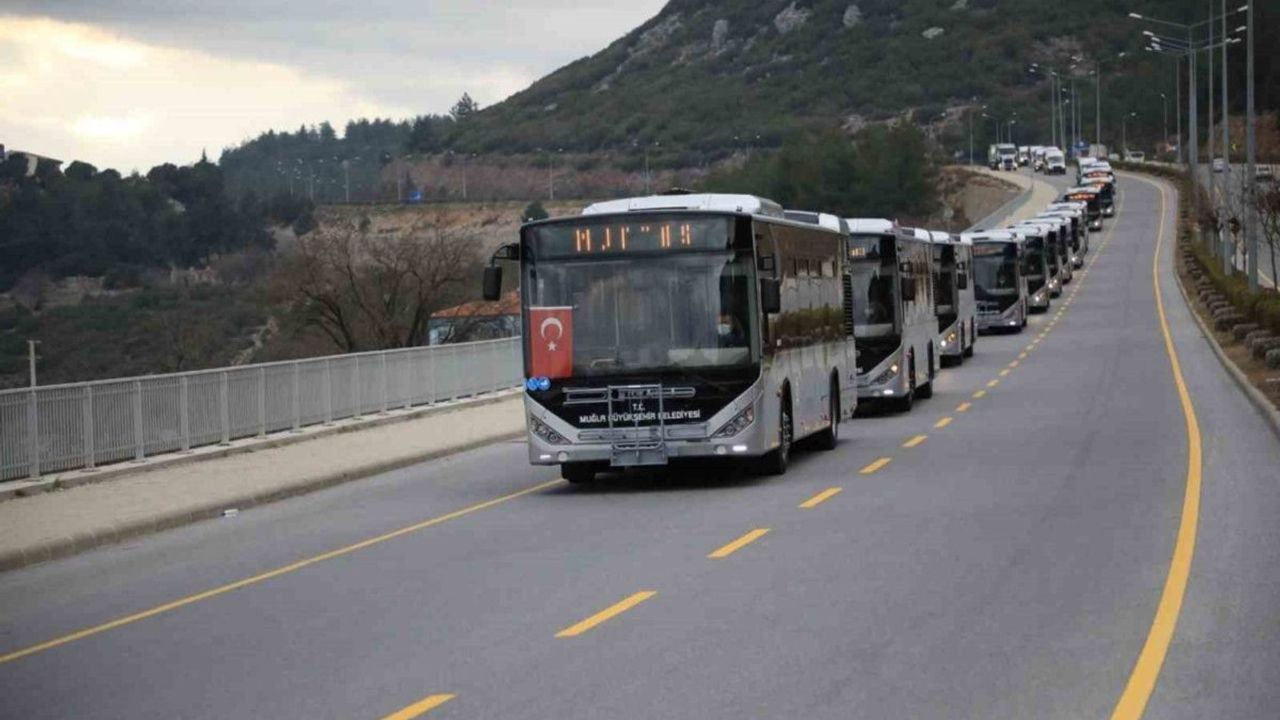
578	473
925	391
775	463
827	439
905	402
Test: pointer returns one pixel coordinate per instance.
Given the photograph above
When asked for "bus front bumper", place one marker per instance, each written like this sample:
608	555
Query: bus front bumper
1011	319
654	448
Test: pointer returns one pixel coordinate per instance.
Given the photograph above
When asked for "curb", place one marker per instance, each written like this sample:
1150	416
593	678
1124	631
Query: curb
1259	401
75	478
67	546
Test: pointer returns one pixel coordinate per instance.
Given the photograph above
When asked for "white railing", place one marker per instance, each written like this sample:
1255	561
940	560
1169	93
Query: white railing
83	425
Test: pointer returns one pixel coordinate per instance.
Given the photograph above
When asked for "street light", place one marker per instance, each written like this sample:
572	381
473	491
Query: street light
1124	134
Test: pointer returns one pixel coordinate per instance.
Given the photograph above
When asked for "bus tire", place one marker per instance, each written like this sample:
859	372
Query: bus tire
904	403
827	439
578	473
776	462
925	391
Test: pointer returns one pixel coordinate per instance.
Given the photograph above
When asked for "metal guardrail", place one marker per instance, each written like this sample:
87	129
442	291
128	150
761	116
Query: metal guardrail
82	425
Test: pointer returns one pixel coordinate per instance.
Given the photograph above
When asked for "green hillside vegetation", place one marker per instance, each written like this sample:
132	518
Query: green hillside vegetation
884	172
706	77
98	223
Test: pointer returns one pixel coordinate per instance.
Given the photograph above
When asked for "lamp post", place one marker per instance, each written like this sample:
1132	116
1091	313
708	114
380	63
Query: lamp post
1164	108
1251	175
1190	47
1124	134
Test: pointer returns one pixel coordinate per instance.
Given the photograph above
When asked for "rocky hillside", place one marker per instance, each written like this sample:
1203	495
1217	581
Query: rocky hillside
706	77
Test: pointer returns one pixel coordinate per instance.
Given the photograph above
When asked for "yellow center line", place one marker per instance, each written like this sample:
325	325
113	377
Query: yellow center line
610	612
993	383
738	544
292	567
963	407
875	465
1014	363
1005	372
1142	681
1022	356
914	441
820	498
427	703
1031	347
980	394
943	422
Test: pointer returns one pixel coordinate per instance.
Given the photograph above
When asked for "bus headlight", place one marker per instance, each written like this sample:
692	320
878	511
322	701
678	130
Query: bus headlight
950	338
890	373
544	432
738	423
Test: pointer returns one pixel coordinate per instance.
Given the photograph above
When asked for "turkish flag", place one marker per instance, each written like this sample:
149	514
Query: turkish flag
551	342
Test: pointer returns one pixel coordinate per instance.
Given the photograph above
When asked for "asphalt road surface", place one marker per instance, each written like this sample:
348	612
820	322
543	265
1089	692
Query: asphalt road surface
1014	562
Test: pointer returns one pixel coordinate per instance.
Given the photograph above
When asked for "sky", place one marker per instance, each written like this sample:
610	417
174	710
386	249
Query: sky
129	84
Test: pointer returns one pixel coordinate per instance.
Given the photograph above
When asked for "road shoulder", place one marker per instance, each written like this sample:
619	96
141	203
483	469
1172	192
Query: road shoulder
66	522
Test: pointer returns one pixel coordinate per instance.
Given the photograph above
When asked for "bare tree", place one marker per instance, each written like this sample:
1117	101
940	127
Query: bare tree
1267	202
367	290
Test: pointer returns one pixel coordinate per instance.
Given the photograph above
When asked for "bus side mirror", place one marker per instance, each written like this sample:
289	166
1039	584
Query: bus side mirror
770	296
962	281
492	283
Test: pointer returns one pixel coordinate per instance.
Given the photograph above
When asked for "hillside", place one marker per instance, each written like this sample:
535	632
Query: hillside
707	76
704	77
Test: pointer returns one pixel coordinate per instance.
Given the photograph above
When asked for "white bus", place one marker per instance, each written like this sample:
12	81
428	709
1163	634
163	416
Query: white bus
1079	213
999	285
953	294
894	317
1067	231
665	328
1036	270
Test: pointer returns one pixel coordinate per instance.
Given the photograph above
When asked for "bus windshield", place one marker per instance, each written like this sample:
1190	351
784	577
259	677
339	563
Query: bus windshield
1033	263
995	269
668	307
872	264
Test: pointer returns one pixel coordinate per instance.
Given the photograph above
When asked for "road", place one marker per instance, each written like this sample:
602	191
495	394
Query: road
1014	561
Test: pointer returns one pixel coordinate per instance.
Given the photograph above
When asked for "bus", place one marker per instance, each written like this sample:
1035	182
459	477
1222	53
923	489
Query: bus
1055	251
1037	270
1069	242
954	303
894	315
665	328
1088	195
1080	220
999	284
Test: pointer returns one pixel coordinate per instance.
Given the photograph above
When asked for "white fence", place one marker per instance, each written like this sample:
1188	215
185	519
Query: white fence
82	425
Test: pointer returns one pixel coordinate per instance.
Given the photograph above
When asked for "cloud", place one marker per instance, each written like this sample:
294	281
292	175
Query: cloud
130	83
77	92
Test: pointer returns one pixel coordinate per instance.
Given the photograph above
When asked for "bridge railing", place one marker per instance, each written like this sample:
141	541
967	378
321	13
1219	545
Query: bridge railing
82	425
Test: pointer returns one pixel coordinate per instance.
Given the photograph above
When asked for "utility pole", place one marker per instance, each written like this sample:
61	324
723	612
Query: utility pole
1228	241
1177	105
1097	105
1251	177
971	137
1164	107
1053	107
31	360
346	178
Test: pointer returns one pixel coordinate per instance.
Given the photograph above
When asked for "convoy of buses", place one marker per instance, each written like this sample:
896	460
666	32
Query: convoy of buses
685	326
